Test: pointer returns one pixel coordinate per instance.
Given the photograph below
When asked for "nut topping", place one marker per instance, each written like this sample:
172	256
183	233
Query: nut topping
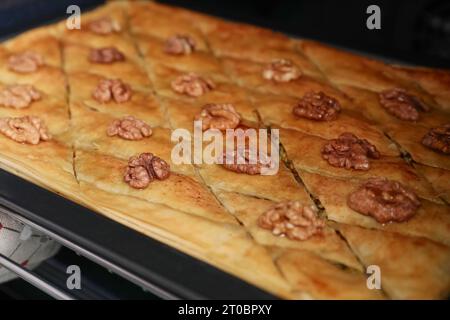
18	96
246	167
112	89
219	116
104	26
317	106
438	139
129	128
281	70
401	104
179	45
384	200
106	55
293	220
192	85
25	62
144	168
349	152
28	129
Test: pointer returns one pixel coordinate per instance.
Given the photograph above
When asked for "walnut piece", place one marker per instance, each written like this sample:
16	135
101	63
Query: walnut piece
438	139
104	26
112	89
349	152
145	168
28	129
219	116
401	104
25	62
192	85
179	45
18	96
293	220
317	106
106	55
247	167
281	70
384	200
129	128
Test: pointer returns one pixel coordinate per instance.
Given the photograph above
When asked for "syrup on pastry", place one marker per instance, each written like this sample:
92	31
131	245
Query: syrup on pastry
349	152
18	96
293	220
384	200
145	168
25	62
192	85
281	70
129	128
27	129
317	106
401	104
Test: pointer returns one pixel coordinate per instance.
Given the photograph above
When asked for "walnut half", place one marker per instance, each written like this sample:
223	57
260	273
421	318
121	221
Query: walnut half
145	168
401	104
25	62
384	200
18	96
438	139
106	55
179	45
103	26
281	70
246	167
129	128
317	106
219	116
293	220
349	152
28	129
112	89
192	85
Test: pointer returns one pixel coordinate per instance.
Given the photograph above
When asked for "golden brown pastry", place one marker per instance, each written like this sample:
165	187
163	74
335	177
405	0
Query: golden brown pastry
306	273
426	264
305	152
439	178
431	220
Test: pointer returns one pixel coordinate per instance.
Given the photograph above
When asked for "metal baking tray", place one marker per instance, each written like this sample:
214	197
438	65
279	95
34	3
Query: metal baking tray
156	267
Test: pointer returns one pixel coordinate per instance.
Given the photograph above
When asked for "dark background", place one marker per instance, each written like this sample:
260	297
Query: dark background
412	31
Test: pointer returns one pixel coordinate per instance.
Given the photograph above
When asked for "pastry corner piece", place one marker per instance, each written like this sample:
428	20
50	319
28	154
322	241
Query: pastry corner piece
358	207
410	267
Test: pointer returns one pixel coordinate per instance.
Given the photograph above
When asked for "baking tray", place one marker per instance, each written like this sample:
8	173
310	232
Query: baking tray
158	268
166	272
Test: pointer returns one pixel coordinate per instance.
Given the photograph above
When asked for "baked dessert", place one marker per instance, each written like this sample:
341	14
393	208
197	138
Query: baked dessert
363	176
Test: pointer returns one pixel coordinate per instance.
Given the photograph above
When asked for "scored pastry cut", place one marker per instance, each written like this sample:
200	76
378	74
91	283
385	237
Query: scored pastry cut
431	221
425	264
